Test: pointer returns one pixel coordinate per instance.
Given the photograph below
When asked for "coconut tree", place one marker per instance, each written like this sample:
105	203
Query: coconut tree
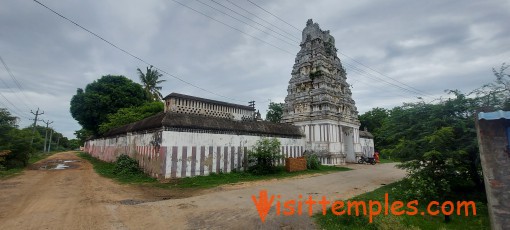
150	81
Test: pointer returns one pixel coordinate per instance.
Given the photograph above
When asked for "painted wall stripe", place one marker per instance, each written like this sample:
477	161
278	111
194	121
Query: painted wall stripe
202	160
218	159
173	170
184	160
193	160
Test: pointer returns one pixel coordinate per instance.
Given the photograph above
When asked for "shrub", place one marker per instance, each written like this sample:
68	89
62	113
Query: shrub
312	161
264	156
126	165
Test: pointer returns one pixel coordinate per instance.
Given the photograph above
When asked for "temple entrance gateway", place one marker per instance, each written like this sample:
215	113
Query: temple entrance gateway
319	99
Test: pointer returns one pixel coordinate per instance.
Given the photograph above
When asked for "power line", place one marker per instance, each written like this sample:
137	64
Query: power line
130	54
245	10
234	28
228	8
14	106
244	22
16	82
415	89
274	15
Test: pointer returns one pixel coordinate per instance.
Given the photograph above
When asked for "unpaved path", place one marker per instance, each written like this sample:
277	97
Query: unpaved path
77	198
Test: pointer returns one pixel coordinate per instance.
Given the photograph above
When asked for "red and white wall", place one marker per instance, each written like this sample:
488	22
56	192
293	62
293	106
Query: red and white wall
172	154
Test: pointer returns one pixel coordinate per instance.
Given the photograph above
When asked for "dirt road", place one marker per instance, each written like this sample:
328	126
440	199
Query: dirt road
77	198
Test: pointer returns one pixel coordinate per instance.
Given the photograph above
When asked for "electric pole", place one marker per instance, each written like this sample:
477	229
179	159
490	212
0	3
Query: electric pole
35	124
46	135
49	144
58	140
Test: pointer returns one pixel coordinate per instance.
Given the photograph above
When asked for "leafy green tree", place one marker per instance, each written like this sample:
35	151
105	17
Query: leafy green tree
14	143
150	81
496	94
91	106
18	142
74	144
264	156
7	122
82	135
125	116
274	112
373	120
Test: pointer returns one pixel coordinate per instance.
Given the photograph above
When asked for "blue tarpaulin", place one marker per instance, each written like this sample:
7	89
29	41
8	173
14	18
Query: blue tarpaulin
500	114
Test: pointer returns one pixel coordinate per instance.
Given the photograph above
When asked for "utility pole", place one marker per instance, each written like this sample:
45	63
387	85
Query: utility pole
49	144
46	135
35	124
252	104
58	140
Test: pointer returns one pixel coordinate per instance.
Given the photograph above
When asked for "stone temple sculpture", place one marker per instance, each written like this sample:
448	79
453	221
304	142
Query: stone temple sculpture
320	101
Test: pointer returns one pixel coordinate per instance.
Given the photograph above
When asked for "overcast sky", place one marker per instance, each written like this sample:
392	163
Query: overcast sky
427	46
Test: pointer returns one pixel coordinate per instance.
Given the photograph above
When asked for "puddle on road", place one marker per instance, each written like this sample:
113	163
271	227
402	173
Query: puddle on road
57	164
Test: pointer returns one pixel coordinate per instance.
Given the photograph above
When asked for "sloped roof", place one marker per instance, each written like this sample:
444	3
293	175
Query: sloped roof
209	101
366	134
191	121
500	114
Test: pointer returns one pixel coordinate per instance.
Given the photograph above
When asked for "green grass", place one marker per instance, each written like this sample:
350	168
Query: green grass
17	171
382	161
39	156
216	179
331	221
10	173
106	169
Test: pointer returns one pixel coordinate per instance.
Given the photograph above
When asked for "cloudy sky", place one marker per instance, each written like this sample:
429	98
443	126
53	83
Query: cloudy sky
394	51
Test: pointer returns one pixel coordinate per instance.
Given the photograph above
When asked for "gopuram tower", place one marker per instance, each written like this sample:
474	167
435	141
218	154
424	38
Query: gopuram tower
319	99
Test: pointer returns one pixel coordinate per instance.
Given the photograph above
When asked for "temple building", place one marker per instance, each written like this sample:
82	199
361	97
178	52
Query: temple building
194	136
320	102
198	136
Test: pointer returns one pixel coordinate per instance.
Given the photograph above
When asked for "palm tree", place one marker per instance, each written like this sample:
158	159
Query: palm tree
150	81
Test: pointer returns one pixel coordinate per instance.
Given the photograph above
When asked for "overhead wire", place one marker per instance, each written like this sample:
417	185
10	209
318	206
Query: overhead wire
130	54
254	15
17	83
268	28
244	22
234	28
417	91
274	15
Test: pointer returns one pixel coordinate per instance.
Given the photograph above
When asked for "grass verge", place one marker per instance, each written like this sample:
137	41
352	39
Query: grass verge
10	173
214	179
106	169
4	174
419	221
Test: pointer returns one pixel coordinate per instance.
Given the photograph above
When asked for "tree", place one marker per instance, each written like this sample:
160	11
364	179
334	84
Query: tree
264	156
496	95
150	81
373	120
274	112
91	106
125	116
14	143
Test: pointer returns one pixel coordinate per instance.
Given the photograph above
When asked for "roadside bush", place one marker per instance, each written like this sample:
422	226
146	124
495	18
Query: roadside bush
126	165
312	161
264	156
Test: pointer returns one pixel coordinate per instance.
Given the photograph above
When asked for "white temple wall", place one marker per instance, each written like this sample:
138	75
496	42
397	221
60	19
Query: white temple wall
331	136
367	146
172	154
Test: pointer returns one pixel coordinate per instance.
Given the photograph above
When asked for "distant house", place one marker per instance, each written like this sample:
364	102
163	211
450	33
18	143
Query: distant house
493	131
